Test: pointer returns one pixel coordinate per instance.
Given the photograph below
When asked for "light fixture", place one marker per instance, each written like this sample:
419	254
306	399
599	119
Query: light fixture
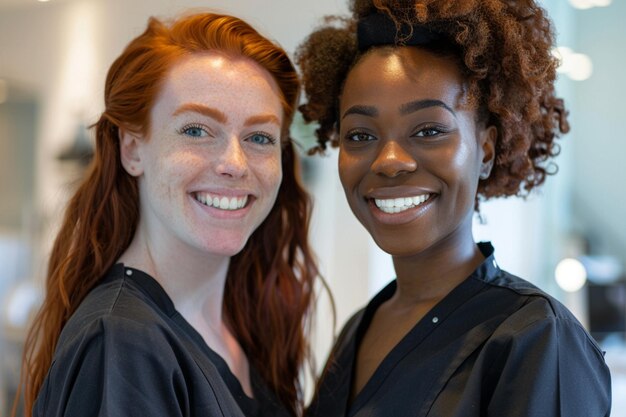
570	274
588	4
576	66
19	305
602	269
81	148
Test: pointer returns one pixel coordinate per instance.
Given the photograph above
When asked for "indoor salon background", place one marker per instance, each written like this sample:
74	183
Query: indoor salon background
53	59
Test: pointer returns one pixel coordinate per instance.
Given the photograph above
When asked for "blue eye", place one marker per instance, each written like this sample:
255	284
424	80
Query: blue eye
357	136
261	139
194	131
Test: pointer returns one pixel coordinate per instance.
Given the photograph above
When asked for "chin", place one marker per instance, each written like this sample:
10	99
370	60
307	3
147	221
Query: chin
224	247
395	247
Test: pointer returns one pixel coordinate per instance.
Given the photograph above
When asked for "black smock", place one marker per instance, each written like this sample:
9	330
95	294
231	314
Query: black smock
495	346
126	351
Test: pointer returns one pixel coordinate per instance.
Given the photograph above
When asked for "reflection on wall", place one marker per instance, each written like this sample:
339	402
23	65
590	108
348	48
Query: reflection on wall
19	111
599	126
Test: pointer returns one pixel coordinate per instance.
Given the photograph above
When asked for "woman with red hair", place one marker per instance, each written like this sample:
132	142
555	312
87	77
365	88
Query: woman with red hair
181	279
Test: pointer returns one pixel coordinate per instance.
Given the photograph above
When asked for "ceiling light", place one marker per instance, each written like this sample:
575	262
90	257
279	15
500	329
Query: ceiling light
587	4
575	65
570	274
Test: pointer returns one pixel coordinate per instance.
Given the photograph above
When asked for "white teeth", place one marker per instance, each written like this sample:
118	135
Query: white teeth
397	205
222	203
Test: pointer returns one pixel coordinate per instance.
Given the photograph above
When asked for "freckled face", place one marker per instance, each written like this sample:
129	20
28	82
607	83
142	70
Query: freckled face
410	150
211	166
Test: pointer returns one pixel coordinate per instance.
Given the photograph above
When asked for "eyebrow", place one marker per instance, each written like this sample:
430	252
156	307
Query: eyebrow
416	105
220	117
202	109
370	111
261	120
406	108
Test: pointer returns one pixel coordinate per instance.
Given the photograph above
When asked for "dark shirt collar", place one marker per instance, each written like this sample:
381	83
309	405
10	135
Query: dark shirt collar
145	283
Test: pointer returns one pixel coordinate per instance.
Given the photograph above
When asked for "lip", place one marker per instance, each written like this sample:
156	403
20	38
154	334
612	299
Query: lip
402	217
220	213
225	192
396	192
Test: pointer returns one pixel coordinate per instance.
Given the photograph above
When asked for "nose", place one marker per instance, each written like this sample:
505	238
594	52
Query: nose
232	162
393	160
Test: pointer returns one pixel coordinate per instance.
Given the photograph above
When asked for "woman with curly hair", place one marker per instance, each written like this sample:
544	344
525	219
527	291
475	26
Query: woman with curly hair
181	279
434	105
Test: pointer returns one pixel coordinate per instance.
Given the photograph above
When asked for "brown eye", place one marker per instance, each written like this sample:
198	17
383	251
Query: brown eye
359	137
427	132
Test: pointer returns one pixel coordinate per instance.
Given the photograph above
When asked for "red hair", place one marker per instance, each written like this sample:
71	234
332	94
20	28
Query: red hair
269	288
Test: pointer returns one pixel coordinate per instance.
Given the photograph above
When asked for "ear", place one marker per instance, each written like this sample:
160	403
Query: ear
130	145
488	138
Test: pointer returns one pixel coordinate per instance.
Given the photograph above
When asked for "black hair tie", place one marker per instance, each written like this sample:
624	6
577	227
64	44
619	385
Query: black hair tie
379	29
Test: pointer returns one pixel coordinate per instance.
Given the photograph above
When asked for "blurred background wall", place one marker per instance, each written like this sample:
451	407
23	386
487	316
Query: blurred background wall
53	59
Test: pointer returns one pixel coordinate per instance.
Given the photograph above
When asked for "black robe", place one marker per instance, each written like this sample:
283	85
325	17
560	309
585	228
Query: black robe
126	351
495	346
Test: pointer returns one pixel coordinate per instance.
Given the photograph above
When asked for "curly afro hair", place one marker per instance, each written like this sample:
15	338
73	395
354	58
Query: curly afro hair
504	49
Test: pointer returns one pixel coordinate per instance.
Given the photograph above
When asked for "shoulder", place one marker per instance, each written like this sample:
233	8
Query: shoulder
540	316
539	343
534	300
105	350
115	314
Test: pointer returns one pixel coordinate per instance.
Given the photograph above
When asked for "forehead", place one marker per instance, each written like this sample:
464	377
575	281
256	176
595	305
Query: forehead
402	74
224	82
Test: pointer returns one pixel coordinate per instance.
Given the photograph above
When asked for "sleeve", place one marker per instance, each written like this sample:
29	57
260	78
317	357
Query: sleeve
114	368
552	368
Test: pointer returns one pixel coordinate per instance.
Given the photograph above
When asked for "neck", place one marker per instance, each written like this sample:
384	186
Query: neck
194	280
429	276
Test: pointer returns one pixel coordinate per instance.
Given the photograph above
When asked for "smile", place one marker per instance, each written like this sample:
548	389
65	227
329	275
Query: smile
397	205
221	202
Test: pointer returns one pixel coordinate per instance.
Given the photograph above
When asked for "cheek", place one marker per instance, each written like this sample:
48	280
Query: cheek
463	178
183	164
270	172
462	164
171	173
350	168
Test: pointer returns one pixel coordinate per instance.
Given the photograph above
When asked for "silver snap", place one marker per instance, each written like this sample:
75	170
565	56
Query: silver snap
129	272
435	320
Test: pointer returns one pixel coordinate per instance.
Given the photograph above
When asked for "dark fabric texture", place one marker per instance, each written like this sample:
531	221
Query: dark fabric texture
495	346
126	351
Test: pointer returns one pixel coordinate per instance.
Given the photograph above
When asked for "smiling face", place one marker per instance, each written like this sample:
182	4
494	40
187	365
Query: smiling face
411	150
210	168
